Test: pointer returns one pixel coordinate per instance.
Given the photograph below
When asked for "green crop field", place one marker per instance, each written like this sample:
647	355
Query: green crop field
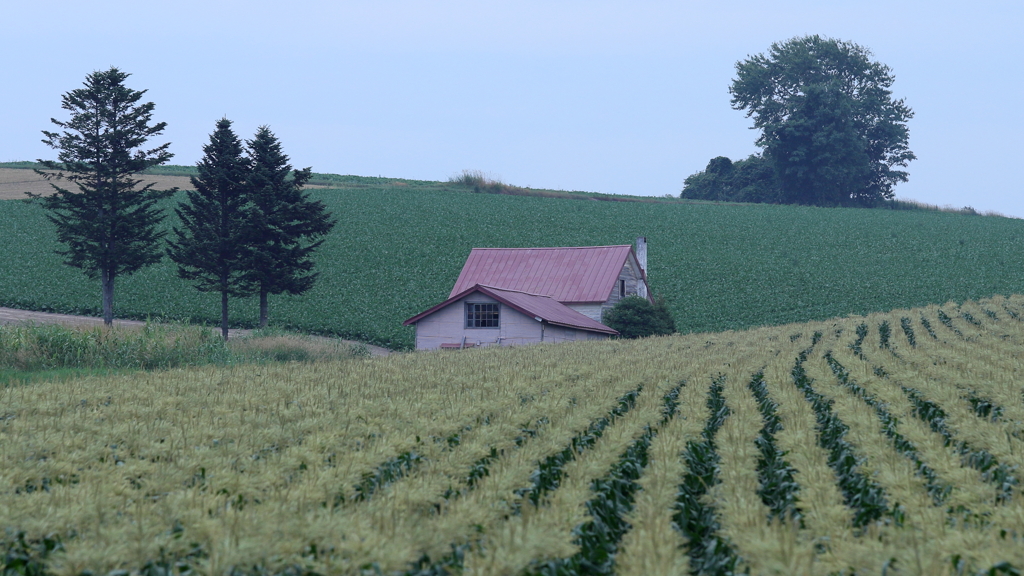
399	245
891	443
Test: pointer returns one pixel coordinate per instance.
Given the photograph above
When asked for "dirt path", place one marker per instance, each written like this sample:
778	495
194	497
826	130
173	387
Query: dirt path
15	316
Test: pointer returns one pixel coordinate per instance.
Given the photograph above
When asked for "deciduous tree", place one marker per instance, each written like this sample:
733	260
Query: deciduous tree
210	247
109	224
829	124
285	226
637	317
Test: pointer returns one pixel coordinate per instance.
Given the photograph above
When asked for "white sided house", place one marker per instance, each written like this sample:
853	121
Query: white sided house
513	296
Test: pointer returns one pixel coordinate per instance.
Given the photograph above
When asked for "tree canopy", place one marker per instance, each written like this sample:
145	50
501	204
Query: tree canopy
285	226
109	224
830	127
637	317
748	180
211	248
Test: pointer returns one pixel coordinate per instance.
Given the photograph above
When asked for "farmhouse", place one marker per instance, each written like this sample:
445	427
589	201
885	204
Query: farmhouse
511	296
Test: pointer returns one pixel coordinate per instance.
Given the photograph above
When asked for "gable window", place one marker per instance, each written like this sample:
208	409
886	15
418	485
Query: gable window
481	315
622	288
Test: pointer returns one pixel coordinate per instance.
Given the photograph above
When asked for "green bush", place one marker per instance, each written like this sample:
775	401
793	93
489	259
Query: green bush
636	317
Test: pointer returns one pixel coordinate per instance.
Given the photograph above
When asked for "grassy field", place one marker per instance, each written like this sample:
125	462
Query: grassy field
398	248
892	443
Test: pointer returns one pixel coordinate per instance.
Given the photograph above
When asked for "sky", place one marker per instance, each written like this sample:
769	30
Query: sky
603	96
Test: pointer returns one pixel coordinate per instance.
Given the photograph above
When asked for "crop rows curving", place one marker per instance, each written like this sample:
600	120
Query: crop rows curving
776	450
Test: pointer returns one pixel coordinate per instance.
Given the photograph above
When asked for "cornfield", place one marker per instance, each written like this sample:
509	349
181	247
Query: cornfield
883	444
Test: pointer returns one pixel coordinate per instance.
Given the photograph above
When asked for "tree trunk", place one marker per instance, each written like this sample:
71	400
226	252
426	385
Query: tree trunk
107	284
264	308
224	314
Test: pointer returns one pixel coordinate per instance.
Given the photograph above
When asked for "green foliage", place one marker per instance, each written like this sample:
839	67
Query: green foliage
778	489
284	226
829	125
397	251
210	246
636	317
480	183
862	494
54	347
109	226
749	180
48	351
696	515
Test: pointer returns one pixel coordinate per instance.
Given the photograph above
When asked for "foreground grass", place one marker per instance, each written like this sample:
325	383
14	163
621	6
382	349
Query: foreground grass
30	353
861	445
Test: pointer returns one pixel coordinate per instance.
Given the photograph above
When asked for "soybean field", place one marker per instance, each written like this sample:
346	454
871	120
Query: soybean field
891	443
399	245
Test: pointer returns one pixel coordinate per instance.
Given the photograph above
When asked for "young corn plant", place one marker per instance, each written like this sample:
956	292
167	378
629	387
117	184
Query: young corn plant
981	460
695	517
614	494
908	329
548	475
779	489
884	333
862	333
936	488
862	495
928	327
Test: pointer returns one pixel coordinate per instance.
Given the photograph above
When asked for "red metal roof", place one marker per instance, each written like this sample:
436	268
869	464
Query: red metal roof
533	305
583	274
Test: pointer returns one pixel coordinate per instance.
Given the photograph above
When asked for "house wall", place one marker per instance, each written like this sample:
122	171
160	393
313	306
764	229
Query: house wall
448	326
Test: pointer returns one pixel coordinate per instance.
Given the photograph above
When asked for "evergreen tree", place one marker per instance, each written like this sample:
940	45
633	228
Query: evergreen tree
285	227
109	223
210	247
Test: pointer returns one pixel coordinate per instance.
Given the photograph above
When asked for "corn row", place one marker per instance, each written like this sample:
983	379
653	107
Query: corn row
432	524
988	376
967	490
827	521
758	511
542	533
435	463
653	546
895	473
941	405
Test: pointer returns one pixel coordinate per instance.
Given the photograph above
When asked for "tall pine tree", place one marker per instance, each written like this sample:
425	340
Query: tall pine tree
285	227
210	247
109	223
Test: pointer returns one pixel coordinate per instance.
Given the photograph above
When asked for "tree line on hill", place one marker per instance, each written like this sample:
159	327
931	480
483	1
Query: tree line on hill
831	132
248	227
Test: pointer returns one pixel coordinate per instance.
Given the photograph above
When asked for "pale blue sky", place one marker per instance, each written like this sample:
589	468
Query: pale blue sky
619	97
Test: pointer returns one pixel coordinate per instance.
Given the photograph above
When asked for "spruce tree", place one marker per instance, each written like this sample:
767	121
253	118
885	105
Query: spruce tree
285	227
109	224
210	247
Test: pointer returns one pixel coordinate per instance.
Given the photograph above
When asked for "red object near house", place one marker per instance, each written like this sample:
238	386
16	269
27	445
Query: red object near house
507	296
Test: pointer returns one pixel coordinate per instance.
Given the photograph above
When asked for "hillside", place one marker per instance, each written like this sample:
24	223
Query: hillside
398	248
883	444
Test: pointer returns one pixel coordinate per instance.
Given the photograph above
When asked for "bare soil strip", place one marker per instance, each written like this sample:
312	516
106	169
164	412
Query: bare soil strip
15	182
